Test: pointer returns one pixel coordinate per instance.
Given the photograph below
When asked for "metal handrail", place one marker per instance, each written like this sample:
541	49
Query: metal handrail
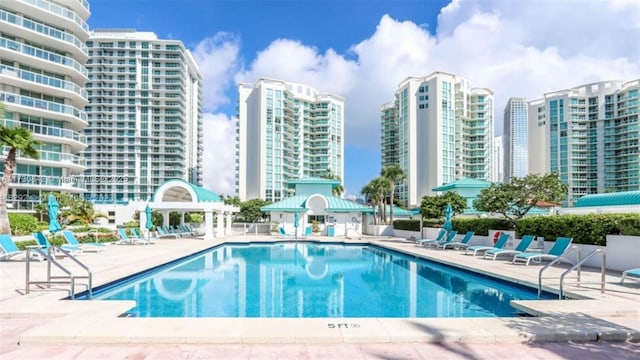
561	257
603	268
49	255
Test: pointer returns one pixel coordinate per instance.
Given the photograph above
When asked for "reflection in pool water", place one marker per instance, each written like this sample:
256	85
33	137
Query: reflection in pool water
313	280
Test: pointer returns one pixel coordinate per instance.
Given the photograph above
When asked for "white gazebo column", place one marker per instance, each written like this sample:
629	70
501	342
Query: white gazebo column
219	223
208	224
227	230
165	218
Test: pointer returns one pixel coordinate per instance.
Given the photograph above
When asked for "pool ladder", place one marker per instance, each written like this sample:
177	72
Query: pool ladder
577	266
70	277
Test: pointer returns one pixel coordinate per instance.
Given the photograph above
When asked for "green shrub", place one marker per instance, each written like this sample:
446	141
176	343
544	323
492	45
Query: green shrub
25	224
409	225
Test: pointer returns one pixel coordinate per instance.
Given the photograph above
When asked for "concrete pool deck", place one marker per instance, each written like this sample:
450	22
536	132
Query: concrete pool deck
40	319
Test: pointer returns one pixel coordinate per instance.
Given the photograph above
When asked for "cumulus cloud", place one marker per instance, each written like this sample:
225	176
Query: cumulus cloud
515	48
219	154
217	58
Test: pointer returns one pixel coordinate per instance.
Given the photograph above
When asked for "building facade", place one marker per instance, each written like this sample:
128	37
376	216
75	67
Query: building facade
516	139
444	131
498	162
42	78
144	112
286	131
590	137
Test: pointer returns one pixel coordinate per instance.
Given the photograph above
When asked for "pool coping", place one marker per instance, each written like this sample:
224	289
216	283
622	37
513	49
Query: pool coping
81	322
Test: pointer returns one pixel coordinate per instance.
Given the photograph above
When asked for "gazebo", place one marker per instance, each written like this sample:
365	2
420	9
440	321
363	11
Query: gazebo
183	197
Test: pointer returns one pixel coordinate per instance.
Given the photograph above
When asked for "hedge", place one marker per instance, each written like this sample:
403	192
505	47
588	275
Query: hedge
584	229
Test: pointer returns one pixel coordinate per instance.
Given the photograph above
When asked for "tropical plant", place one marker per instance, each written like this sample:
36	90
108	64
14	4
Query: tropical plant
338	190
20	142
432	207
83	213
514	200
393	174
374	192
250	210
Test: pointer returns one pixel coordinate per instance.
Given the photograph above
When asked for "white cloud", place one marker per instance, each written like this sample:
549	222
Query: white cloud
217	58
515	48
219	154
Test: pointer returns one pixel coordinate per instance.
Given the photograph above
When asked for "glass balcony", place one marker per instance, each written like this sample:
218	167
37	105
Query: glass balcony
11	98
42	79
44	55
60	11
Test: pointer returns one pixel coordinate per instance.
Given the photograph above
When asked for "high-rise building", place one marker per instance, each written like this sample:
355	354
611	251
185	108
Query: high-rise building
286	131
42	79
515	139
144	112
589	135
443	132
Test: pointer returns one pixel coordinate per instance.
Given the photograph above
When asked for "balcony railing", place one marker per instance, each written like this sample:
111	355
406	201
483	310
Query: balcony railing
53	156
42	79
42	29
60	11
46	130
11	98
43	54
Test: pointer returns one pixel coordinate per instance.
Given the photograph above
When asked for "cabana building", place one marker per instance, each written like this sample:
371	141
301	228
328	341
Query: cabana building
314	202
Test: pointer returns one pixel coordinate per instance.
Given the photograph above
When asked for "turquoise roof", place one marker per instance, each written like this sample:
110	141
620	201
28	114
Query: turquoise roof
610	199
298	203
202	194
464	183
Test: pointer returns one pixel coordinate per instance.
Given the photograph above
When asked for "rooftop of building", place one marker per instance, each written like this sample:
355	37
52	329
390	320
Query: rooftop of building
610	199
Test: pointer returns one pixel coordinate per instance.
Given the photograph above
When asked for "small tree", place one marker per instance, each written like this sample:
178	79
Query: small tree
393	174
432	207
514	200
18	139
250	210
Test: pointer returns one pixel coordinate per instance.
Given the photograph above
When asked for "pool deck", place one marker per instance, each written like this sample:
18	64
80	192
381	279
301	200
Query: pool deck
38	323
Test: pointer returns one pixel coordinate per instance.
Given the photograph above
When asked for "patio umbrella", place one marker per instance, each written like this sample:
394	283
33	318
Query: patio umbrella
296	221
53	209
149	223
447	218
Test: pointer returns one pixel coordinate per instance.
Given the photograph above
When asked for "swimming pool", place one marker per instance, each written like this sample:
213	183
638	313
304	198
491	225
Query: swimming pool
312	280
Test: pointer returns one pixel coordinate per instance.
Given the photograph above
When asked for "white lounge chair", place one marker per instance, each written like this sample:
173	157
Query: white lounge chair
438	238
92	246
8	248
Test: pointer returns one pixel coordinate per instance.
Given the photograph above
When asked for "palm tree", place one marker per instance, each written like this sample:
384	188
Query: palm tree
394	174
374	191
84	213
338	190
17	139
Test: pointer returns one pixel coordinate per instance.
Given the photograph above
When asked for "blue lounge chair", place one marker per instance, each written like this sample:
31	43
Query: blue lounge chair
523	245
283	233
632	274
481	249
8	248
447	240
438	238
44	244
163	233
91	246
557	250
127	240
464	243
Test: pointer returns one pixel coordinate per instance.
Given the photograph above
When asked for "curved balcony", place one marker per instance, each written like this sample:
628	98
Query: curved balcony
76	140
77	118
15	76
40	32
50	183
58	159
33	56
63	18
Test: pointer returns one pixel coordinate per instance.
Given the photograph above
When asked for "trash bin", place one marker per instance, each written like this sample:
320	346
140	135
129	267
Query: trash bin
331	231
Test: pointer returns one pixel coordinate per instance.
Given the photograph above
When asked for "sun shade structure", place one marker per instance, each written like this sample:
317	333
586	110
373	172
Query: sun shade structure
610	199
183	197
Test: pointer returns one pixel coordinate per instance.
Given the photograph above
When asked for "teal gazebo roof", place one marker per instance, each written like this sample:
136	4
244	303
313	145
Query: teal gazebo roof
464	183
177	193
609	199
298	203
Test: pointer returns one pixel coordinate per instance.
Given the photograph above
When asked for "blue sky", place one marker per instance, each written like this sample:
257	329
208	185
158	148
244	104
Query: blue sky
361	50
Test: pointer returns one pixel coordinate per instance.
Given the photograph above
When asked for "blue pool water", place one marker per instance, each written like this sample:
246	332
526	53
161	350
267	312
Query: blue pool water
310	280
